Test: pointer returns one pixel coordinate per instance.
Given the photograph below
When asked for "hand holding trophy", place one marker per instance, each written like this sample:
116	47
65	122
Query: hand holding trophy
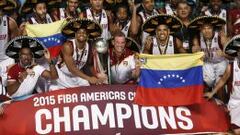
101	60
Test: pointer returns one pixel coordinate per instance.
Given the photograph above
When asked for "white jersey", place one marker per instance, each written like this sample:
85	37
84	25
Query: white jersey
144	17
169	10
125	29
235	95
62	13
121	73
29	83
4	37
210	51
3	73
65	78
223	15
167	49
80	57
102	20
48	18
234	101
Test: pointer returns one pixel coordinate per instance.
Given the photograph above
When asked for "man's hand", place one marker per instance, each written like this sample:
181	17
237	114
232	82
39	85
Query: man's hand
209	95
148	42
132	5
47	55
22	76
94	80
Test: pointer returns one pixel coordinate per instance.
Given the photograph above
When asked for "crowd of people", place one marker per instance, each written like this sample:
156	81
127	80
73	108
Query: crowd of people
156	27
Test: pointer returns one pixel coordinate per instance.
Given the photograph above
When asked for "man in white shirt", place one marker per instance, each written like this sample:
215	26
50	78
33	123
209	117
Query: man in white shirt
23	76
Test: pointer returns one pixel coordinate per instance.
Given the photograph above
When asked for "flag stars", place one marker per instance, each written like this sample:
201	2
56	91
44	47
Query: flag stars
171	76
52	39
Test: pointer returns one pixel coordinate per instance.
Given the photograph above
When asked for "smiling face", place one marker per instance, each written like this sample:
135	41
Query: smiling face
148	5
183	10
162	32
81	35
72	5
119	44
122	13
25	57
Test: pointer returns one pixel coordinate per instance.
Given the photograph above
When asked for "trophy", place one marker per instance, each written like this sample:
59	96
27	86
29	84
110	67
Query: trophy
102	58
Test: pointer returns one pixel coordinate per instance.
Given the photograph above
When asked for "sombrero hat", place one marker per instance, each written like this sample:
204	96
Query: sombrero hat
14	46
8	5
131	44
93	28
232	47
215	21
173	23
54	3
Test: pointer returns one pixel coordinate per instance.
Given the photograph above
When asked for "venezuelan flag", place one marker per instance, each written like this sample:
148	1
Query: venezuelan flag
49	34
170	80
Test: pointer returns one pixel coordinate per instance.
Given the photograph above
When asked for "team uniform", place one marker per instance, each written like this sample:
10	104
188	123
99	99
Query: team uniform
34	20
28	85
234	101
66	78
234	14
61	14
157	49
121	72
102	19
168	10
144	17
125	27
214	66
222	14
4	59
4	38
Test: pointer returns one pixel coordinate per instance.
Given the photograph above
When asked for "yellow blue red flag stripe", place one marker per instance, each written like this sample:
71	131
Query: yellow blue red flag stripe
170	80
49	34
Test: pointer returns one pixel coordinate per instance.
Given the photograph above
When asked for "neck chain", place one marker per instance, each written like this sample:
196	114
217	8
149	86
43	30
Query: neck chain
41	20
208	44
165	46
79	58
96	15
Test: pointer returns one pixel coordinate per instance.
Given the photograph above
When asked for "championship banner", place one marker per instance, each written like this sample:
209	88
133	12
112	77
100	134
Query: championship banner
106	110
